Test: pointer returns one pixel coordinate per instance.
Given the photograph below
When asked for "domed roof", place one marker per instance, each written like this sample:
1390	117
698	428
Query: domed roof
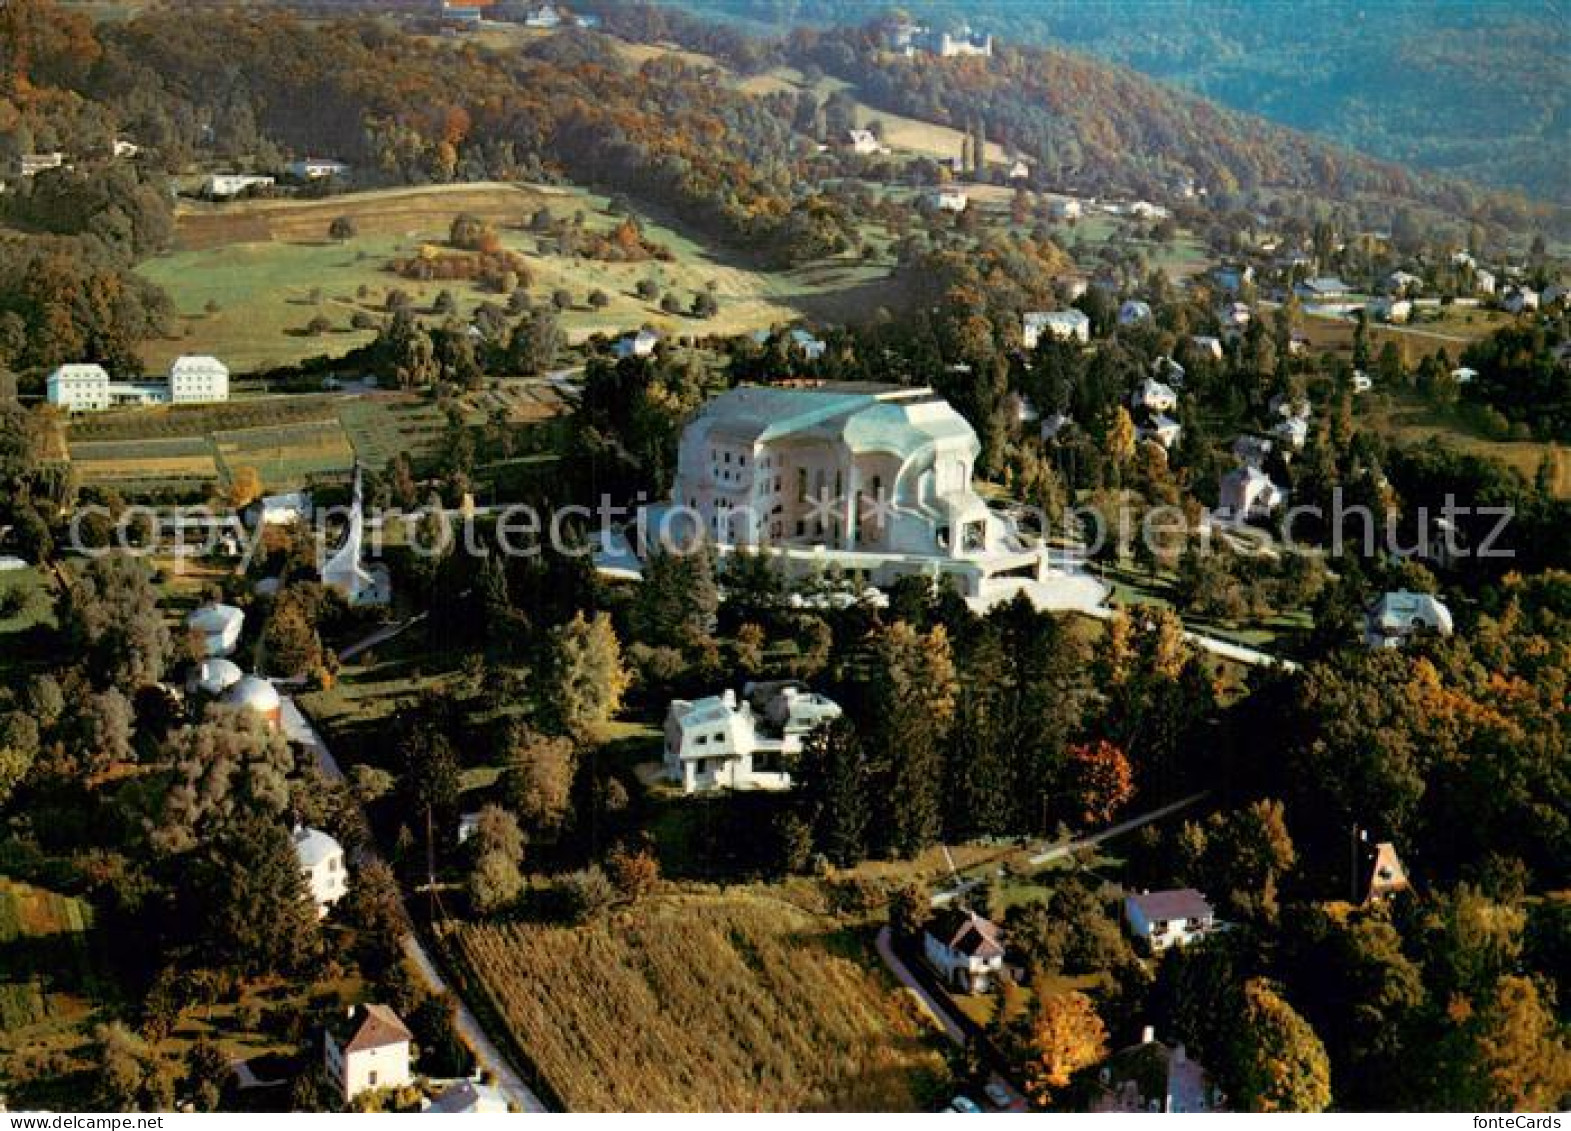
217	675
255	693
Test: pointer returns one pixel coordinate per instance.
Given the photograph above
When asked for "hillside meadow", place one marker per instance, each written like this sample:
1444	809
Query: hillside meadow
696	1002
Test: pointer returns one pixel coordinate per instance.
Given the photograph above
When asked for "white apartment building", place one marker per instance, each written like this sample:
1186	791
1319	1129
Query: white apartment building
718	742
873	479
85	387
322	864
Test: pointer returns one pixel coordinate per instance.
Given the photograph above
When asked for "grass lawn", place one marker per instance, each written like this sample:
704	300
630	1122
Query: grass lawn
244	277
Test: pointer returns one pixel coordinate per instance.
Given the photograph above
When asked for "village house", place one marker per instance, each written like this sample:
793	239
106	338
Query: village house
801	341
31	164
1403	283
1019	171
864	142
366	1051
1235	317
1060	325
1065	208
1464	374
1362	382
214	676
1293	432
1207	346
124	148
949	200
1231	278
1393	310
873	479
1133	312
641	344
223	186
1166	369
1162	429
1323	288
1247	493
1519	300
1252	450
720	742
965	949
1160	919
219	627
1483	282
322	863
1154	396
316	169
282	510
1156	1077
1399	616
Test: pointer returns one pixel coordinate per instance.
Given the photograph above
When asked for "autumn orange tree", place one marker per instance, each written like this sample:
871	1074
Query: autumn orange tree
1103	781
1066	1037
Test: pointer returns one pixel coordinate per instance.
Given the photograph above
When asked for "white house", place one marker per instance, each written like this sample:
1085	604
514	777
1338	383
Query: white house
322	863
874	479
1362	382
1323	287
1061	325
1517	300
1293	432
1483	282
949	200
1153	1077
368	1051
641	344
281	510
1463	374
544	17
864	142
966	949
1065	208
1403	283
1019	171
31	164
1160	919
1398	616
1207	346
125	148
316	169
1133	311
1385	875
1154	396
718	742
220	627
1393	310
1246	493
222	186
1163	429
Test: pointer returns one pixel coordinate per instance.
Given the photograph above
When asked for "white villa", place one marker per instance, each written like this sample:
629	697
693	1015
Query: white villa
220	627
322	863
1154	396
949	200
192	379
864	142
222	186
872	479
1163	429
316	169
966	949
713	743
1061	325
1160	919
1520	299
1066	208
1396	617
369	1051
1247	492
641	344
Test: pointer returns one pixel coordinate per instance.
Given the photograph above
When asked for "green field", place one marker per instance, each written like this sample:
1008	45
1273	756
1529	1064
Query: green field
43	938
244	279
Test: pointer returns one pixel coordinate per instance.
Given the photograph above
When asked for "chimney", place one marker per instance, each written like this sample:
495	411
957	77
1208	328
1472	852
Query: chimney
1148	1035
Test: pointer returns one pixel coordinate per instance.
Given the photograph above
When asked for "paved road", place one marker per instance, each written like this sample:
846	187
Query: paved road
488	1057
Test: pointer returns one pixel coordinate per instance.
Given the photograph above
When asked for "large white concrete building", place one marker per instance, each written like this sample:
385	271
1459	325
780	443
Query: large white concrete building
721	742
192	379
874	480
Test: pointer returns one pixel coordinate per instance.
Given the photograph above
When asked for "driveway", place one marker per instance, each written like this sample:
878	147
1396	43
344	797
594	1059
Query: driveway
488	1057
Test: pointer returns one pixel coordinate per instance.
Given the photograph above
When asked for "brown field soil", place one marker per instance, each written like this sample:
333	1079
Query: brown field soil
392	212
695	1002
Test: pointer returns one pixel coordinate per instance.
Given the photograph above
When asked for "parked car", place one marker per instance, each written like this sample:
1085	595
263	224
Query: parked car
998	1094
964	1105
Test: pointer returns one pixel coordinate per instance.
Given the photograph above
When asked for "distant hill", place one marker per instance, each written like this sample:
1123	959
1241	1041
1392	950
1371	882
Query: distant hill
1480	90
